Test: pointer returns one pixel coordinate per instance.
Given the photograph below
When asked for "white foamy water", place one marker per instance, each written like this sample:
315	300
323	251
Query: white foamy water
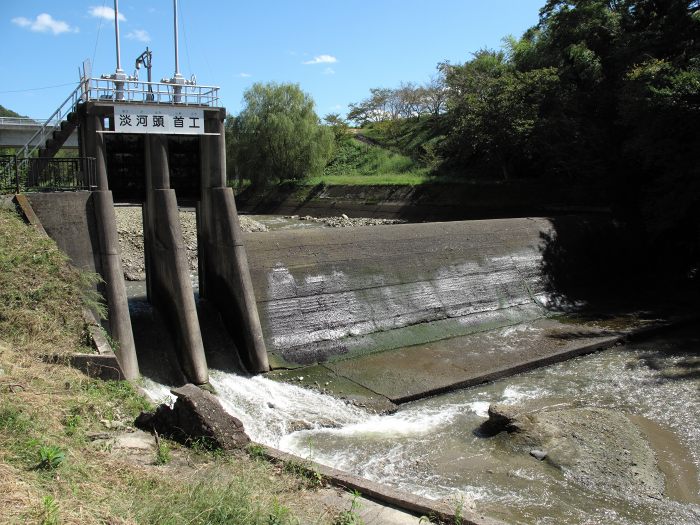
270	410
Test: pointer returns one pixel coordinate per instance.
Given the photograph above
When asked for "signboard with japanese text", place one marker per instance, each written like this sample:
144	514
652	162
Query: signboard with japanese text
158	119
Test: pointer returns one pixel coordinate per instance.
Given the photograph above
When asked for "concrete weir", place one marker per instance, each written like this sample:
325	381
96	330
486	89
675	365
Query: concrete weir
327	294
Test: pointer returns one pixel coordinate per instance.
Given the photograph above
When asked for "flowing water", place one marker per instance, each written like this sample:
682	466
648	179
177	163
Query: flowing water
429	447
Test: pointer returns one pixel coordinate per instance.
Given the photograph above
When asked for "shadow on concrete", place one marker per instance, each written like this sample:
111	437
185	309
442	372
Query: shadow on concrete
156	350
155	347
219	347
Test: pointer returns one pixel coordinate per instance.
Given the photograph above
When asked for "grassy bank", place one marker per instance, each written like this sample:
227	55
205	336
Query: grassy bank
358	163
59	430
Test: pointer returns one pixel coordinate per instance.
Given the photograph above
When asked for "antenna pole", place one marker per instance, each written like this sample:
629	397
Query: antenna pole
177	59
116	32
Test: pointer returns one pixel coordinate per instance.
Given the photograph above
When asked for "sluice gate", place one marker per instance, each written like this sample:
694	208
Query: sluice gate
133	141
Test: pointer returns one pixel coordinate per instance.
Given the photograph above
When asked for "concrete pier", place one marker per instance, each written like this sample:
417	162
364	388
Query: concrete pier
223	263
167	271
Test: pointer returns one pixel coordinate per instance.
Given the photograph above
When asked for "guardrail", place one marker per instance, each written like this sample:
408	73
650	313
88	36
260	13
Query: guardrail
46	174
20	121
151	92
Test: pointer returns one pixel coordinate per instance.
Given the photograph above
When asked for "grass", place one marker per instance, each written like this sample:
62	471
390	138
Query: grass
410	179
357	163
51	468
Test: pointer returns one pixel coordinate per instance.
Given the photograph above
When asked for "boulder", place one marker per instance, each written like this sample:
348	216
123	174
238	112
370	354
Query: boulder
593	447
196	416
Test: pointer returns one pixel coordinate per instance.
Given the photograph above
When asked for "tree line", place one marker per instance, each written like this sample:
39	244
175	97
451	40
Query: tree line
603	93
407	101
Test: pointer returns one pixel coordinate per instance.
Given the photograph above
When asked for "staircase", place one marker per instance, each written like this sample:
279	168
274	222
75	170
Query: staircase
48	140
55	131
59	136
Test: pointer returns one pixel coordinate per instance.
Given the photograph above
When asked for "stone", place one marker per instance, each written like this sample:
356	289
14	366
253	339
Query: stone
505	418
538	454
196	416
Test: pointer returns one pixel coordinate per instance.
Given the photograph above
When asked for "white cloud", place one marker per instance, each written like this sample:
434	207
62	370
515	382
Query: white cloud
329	71
105	12
45	23
244	75
139	34
322	59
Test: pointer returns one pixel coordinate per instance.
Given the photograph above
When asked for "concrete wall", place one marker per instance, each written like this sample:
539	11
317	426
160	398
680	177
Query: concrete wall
69	219
327	293
83	226
430	202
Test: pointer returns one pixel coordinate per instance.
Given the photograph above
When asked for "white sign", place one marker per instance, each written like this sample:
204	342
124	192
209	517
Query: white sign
158	119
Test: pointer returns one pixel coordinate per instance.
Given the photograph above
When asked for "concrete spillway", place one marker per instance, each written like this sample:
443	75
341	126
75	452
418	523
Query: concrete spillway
327	293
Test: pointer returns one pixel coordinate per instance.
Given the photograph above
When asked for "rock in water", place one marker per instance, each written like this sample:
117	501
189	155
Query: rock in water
196	416
597	448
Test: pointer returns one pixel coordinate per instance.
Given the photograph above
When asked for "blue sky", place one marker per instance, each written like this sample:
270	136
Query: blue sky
335	50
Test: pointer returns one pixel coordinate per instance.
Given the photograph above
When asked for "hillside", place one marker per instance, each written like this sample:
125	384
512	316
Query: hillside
4	112
358	162
415	138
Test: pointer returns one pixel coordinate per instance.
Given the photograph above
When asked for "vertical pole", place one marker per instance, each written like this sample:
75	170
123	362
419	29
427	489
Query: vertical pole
177	59
116	32
100	154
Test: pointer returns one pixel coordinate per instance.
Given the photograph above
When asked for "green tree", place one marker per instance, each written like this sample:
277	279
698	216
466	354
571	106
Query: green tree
339	126
277	136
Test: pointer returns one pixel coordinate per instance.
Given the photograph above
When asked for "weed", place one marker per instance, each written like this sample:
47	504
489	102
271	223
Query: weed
50	457
279	515
14	420
163	455
90	297
48	515
306	472
72	424
350	516
113	343
255	450
205	445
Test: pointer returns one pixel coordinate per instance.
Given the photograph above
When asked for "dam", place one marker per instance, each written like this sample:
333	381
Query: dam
376	350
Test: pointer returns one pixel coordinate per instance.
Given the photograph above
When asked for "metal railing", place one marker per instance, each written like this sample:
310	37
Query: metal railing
103	89
46	174
52	123
20	121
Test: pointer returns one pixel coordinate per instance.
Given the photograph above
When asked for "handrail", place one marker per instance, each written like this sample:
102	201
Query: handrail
20	121
137	91
46	174
58	115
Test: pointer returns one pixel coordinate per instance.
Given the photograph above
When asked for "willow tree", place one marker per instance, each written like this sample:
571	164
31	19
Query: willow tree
278	136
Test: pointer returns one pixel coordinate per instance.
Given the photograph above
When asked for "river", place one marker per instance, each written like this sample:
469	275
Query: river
430	447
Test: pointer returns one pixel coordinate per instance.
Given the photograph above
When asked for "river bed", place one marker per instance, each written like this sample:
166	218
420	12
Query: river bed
430	447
